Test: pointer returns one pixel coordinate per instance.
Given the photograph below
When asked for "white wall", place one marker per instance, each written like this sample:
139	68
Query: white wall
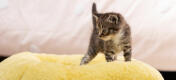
3	3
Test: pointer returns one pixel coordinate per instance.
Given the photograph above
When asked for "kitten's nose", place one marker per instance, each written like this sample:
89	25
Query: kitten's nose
101	35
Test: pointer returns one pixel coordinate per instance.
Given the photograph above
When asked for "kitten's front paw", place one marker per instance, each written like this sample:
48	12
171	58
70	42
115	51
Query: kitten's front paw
83	62
127	59
110	60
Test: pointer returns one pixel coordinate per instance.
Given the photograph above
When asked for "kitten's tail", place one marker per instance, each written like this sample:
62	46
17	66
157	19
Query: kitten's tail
94	8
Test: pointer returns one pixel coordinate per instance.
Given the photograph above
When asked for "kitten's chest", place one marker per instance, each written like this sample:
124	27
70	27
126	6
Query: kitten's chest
117	38
117	43
114	44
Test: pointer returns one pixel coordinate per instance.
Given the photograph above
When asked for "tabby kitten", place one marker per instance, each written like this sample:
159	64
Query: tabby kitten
111	35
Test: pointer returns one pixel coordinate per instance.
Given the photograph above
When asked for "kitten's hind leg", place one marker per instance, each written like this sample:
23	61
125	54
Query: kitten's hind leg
89	56
127	53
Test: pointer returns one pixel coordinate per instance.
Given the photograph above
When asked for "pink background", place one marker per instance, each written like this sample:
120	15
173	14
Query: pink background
64	27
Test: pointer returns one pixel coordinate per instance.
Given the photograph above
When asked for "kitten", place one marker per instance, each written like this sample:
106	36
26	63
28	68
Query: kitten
111	35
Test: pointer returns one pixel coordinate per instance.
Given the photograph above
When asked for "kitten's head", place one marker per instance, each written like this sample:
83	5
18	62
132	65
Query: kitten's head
107	24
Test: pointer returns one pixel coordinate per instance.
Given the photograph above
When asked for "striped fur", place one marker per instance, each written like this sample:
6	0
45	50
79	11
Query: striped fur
111	35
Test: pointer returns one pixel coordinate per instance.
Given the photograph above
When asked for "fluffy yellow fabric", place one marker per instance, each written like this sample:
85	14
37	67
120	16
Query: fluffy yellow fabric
30	66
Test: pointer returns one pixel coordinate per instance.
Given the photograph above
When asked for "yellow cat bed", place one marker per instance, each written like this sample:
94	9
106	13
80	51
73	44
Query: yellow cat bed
30	66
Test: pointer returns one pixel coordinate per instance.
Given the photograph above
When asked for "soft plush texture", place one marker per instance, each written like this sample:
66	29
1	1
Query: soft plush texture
31	66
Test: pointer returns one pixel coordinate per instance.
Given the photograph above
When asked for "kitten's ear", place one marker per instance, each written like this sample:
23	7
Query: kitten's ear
94	11
113	19
94	8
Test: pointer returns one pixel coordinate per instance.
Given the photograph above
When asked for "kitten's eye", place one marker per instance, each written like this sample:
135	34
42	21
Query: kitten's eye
105	32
